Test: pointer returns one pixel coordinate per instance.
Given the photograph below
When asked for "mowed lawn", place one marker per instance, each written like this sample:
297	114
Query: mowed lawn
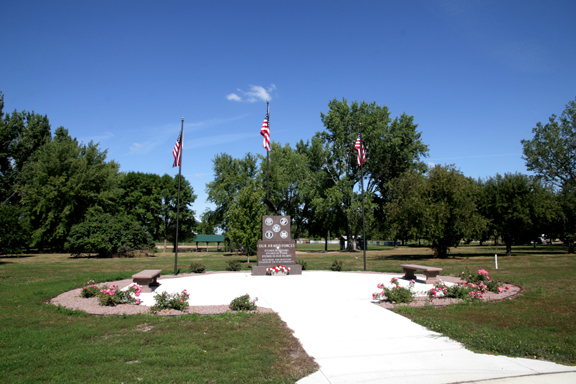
44	343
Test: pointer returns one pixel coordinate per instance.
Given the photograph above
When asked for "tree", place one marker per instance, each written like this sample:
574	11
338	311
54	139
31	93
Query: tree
518	207
452	214
64	180
230	176
14	229
107	235
407	210
551	156
21	134
168	210
440	207
245	218
392	148
141	199
551	153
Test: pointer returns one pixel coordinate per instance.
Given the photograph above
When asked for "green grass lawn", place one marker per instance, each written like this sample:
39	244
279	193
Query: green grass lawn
44	343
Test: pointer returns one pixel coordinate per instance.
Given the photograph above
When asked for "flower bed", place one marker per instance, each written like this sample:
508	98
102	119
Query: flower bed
278	270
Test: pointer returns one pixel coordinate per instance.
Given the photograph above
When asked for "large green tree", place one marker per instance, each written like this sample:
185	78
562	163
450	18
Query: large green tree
441	207
141	199
168	209
551	154
230	177
245	218
64	181
393	147
519	208
21	134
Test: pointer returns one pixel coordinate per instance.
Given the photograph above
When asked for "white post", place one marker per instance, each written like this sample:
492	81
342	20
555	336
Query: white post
496	260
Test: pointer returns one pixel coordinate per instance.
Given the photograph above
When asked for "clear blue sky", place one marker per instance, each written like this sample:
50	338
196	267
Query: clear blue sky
476	75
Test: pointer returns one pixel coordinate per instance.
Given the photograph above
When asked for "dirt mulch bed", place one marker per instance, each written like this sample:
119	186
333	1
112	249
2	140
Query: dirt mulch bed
421	301
72	300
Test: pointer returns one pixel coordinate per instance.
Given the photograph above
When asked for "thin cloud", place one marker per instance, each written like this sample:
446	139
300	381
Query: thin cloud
256	93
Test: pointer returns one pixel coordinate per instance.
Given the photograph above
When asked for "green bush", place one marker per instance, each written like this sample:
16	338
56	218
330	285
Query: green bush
337	265
106	235
164	300
196	267
233	265
89	290
396	294
304	264
112	295
243	303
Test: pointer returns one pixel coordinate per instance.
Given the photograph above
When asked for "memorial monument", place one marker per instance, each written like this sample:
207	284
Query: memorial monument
276	246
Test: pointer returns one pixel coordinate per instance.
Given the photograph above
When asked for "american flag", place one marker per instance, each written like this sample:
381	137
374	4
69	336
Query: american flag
265	131
177	151
359	147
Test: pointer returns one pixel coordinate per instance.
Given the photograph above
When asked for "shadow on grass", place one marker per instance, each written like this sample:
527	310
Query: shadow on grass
15	256
95	256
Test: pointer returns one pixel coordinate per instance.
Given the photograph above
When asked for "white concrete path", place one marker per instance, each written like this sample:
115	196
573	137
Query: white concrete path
355	341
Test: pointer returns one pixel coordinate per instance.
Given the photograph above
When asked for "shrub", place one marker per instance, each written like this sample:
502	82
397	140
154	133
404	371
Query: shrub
196	267
472	287
396	294
243	303
233	265
89	290
111	295
337	265
164	300
106	235
303	263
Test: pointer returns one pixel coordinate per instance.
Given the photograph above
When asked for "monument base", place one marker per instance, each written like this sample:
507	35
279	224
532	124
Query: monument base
260	270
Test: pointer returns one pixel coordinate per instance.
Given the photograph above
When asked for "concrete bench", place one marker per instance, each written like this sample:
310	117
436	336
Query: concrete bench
431	273
147	279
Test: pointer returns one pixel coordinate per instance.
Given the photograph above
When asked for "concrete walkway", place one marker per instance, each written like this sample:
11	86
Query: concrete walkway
355	341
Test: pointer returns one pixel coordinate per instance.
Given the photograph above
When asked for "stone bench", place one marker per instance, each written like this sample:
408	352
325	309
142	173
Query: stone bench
147	279
431	273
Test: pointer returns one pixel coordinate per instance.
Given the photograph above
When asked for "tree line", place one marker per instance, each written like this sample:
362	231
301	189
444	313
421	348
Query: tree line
62	195
404	198
59	195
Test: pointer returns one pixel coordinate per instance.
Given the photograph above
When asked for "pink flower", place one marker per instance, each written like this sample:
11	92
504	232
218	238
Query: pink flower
500	289
374	296
379	286
85	288
507	287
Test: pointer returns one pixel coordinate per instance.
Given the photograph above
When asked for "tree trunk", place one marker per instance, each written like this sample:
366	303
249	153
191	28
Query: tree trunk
571	246
326	241
395	243
508	247
164	245
441	252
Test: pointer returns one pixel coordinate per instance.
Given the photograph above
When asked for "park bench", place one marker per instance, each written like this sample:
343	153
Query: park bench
431	273
147	279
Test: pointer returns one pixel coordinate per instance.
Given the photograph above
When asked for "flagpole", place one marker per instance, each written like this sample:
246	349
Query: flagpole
178	200
268	160
362	187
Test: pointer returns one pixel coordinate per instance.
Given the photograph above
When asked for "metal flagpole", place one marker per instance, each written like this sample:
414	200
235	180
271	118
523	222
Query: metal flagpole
268	159
178	200
362	187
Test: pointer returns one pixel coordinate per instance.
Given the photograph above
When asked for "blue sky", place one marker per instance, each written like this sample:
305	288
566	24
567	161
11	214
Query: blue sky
476	75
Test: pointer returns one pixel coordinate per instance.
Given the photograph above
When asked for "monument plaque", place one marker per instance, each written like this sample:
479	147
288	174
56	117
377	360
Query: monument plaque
276	246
